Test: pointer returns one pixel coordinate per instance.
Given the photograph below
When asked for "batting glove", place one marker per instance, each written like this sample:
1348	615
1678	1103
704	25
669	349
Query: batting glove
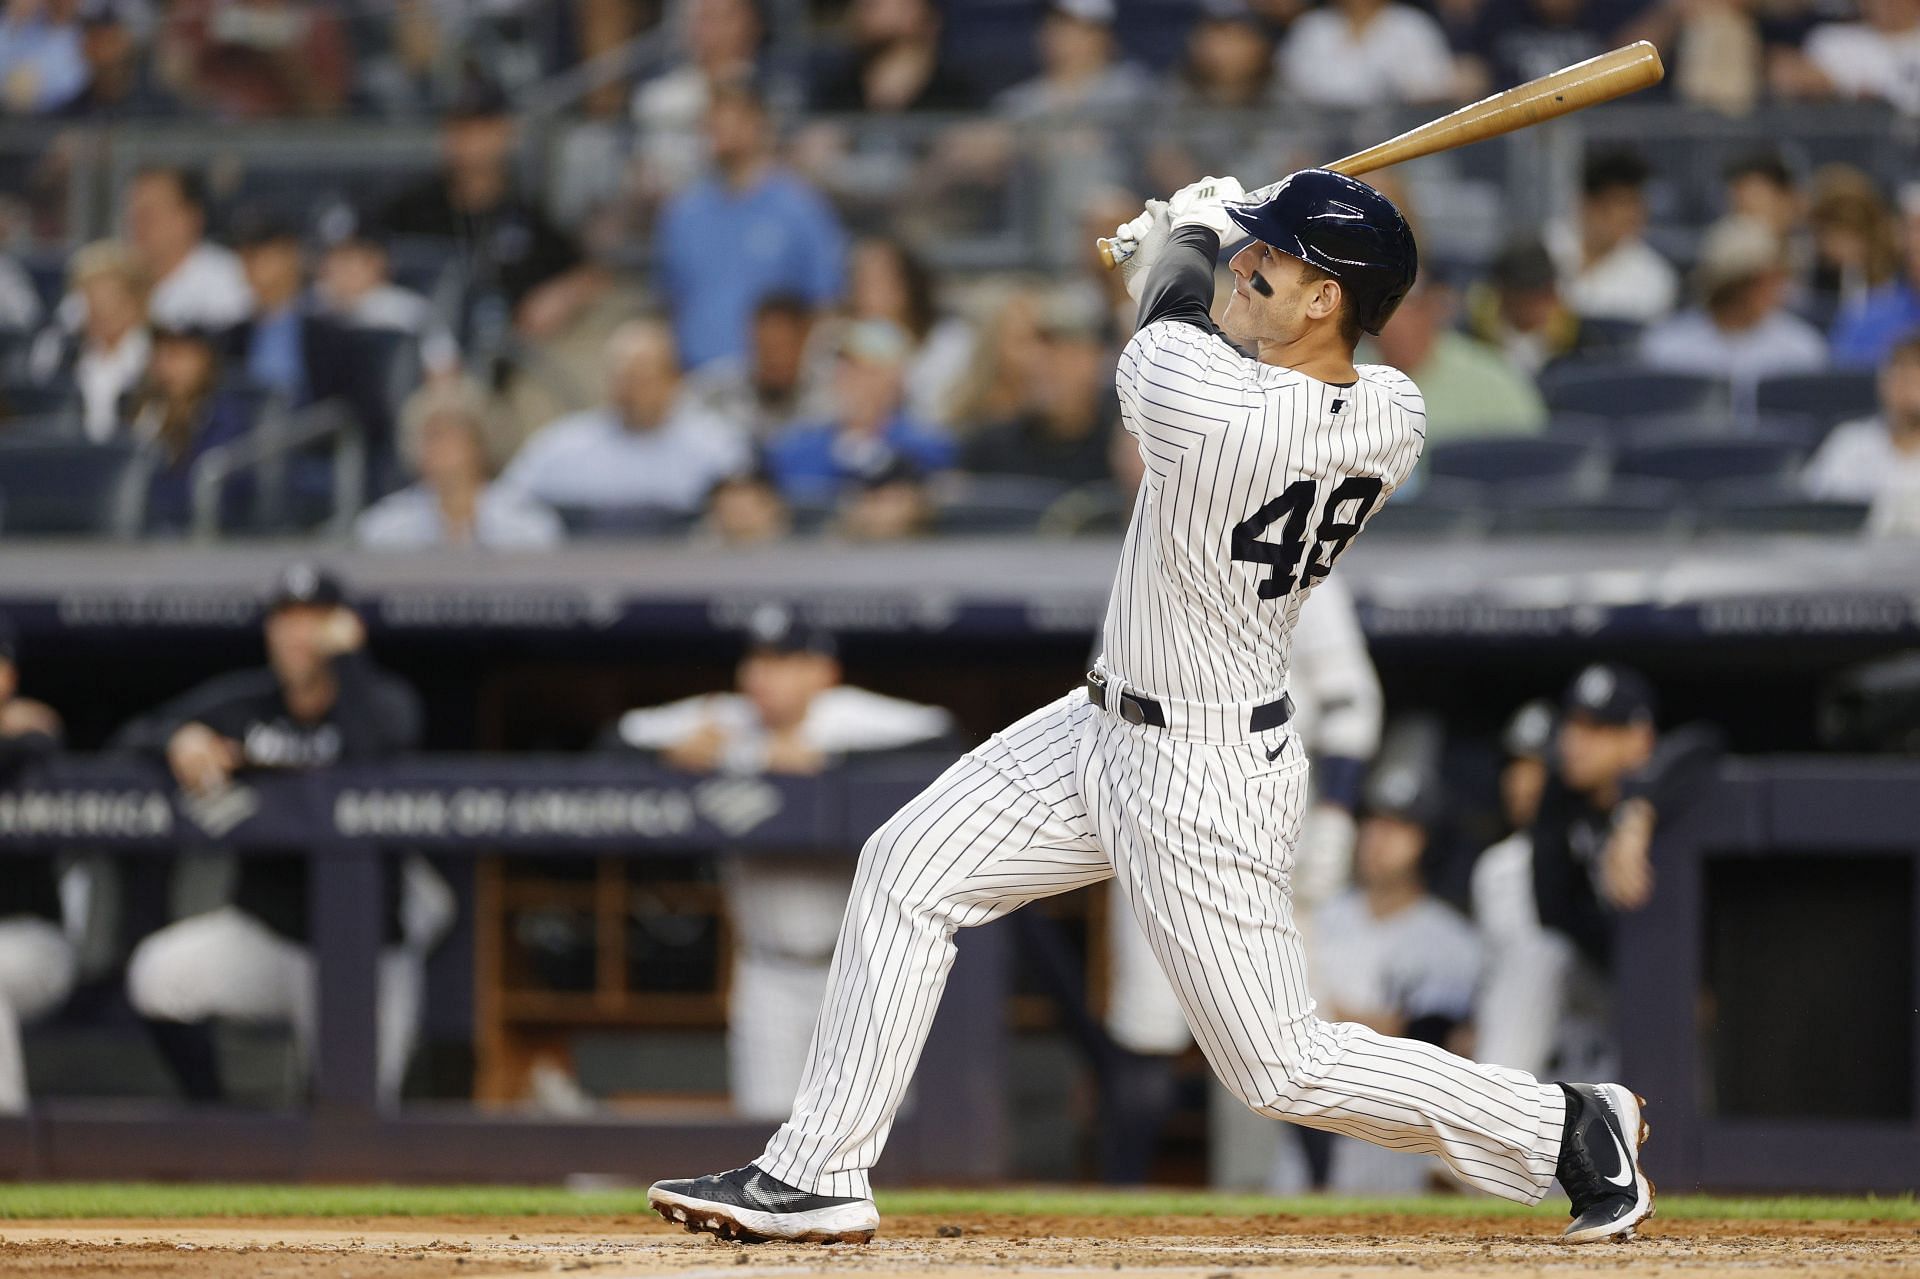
1201	204
1143	238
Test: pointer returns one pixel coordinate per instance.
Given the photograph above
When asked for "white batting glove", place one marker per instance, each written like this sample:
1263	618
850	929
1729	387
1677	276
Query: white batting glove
1143	238
1200	204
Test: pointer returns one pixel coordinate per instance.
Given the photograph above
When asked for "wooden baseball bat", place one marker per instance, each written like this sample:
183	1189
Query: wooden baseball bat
1584	84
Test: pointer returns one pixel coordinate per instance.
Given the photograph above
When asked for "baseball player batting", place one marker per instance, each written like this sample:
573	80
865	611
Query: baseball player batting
1175	770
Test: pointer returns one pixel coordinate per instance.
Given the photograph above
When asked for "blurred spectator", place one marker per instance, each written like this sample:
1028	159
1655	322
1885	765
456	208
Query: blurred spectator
894	65
749	229
1875	58
121	79
651	448
42	64
1470	390
107	358
1876	457
773	387
1760	186
256	59
1006	361
513	256
182	412
1607	270
1856	241
20	309
1741	329
1062	431
271	347
1516	308
195	281
792	714
1865	332
720	45
1228	65
887	281
746	509
886	506
448	436
870	431
1714	48
1080	70
353	286
1513	41
37	961
319	701
1385	52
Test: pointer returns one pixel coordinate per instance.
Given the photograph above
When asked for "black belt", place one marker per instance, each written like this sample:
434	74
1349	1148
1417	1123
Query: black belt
1136	708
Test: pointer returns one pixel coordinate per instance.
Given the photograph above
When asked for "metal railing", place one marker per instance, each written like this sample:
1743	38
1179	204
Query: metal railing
264	452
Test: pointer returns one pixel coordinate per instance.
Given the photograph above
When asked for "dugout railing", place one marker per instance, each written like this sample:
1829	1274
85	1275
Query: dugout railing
1764	999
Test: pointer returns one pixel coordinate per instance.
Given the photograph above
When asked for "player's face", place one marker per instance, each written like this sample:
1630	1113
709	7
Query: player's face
1388	850
1279	313
1595	756
782	685
1521	783
293	641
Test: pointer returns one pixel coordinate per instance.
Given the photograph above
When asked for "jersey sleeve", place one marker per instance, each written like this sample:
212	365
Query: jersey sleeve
1179	386
1412	405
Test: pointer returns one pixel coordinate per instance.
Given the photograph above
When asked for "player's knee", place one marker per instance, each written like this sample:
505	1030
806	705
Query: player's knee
161	981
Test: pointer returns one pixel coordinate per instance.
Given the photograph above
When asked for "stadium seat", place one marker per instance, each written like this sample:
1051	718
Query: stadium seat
1773	506
22	397
66	489
1628	506
1626	390
1440	507
619	522
1507	460
976	504
1600	339
1695	462
1828	398
1585	428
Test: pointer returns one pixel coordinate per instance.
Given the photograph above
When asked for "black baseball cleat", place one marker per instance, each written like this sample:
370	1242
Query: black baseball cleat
1600	1163
748	1206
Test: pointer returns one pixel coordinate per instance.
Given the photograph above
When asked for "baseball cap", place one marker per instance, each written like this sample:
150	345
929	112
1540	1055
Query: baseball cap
1529	734
1735	250
1608	694
1099	11
776	628
306	583
1406	790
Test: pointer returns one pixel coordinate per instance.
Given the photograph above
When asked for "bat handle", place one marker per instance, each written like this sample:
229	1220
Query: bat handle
1114	252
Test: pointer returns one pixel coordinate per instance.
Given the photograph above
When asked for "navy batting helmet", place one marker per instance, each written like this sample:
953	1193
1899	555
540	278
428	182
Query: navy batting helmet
1342	226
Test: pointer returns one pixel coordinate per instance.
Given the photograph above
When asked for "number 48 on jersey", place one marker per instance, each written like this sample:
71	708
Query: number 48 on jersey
1347	509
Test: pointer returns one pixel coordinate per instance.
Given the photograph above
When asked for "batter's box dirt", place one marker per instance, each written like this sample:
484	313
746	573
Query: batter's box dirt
954	1246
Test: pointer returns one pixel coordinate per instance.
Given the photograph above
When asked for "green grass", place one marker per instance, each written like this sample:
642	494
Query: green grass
68	1200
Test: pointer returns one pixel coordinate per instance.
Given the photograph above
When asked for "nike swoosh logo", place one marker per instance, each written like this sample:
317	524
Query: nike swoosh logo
1275	752
1625	1179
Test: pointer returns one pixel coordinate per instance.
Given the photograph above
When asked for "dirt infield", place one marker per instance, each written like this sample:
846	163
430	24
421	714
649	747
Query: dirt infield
959	1246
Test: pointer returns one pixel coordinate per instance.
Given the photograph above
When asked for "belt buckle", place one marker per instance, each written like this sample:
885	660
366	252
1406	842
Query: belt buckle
1131	711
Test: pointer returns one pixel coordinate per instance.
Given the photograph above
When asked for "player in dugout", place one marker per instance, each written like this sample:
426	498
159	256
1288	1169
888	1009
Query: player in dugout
319	701
791	712
37	959
1549	916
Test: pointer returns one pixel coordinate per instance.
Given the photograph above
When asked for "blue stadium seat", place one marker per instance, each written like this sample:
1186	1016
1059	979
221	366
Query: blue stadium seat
1506	460
1440	507
1628	506
1829	398
984	504
1696	462
1773	506
70	489
1626	390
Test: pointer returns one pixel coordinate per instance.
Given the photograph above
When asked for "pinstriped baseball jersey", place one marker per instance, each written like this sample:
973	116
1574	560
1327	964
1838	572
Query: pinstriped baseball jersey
1258	477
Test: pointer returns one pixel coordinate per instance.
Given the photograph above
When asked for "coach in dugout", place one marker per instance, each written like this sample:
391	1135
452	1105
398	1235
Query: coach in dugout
792	714
319	701
37	960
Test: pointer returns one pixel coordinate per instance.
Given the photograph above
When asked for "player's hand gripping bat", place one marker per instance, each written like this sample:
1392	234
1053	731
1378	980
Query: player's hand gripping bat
1584	84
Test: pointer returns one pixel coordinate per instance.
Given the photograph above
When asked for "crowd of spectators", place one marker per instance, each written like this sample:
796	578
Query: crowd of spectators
766	354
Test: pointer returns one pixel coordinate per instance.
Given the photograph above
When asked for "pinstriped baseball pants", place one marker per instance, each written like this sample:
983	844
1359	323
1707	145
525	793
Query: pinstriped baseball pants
1199	838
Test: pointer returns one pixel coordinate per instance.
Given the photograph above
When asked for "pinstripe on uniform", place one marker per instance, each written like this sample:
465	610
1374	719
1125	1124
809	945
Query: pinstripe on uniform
1196	822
